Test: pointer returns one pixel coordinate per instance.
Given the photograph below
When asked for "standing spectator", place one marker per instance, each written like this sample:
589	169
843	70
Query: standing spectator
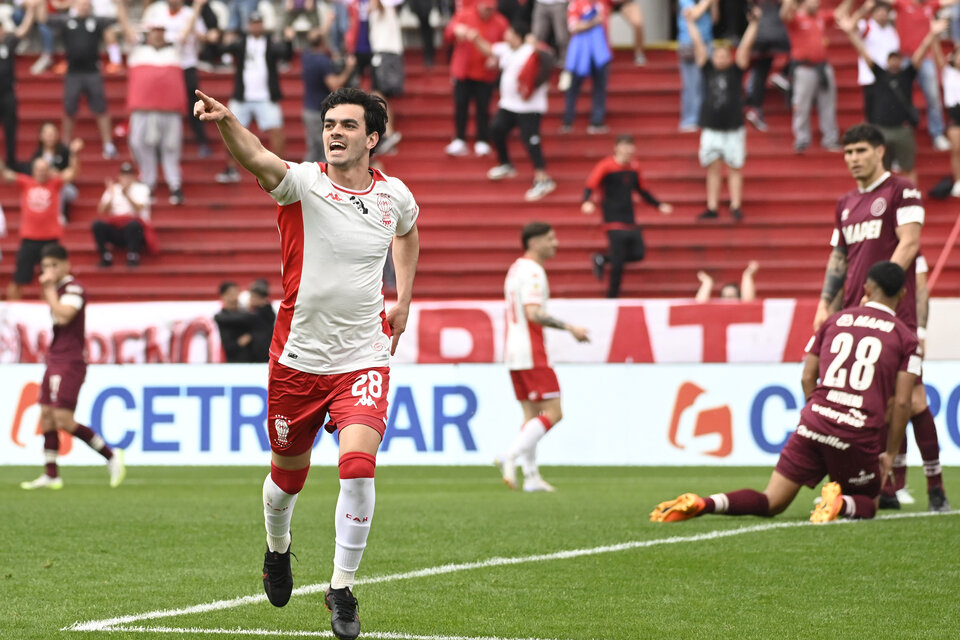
156	95
813	77
523	103
473	80
633	14
124	209
82	34
951	99
39	213
387	73
183	28
616	179
57	155
320	79
723	139
588	55
746	291
256	85
263	319
210	53
913	23
550	19
235	325
879	36
8	85
422	9
240	14
703	14
293	9
35	12
772	40
891	108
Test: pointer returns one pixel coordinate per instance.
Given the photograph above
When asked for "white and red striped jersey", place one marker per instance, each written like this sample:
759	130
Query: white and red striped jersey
526	283
334	244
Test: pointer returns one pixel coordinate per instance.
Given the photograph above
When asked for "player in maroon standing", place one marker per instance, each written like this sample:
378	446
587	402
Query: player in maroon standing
66	369
869	356
881	220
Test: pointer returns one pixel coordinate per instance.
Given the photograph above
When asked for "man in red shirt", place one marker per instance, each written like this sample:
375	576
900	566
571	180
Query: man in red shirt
813	77
913	24
39	213
473	79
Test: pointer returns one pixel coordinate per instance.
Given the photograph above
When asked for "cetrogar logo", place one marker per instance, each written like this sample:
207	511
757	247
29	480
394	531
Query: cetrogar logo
706	430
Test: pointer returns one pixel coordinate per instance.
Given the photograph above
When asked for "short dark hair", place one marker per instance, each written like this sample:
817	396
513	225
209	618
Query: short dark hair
374	108
624	138
534	230
889	276
520	26
863	132
53	250
260	287
226	284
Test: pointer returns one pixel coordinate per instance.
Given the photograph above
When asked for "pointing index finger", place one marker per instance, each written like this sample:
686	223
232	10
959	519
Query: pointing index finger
207	100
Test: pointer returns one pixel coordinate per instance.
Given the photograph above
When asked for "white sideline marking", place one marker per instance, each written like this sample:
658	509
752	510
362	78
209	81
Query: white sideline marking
376	635
110	623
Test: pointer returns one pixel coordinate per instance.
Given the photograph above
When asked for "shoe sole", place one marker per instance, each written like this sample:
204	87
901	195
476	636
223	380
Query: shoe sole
511	484
114	483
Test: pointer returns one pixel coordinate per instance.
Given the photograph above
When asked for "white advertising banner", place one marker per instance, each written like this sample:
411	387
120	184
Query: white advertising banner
660	331
614	414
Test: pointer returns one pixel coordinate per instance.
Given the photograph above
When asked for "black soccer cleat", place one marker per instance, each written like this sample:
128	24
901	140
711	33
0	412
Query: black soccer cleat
938	500
277	577
343	613
888	502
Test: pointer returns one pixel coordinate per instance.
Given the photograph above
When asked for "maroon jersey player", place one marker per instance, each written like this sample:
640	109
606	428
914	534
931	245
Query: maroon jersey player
862	357
881	220
66	369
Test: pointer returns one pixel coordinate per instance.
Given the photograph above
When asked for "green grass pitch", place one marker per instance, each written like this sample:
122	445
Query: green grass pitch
171	538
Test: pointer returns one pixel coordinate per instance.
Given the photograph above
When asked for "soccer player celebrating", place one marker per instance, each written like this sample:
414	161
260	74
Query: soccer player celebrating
534	381
881	220
869	355
66	369
332	341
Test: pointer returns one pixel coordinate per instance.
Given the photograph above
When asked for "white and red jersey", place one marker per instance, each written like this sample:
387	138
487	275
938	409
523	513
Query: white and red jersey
334	244
526	283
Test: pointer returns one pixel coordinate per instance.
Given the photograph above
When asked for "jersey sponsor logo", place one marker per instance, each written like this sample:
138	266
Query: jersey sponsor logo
867	230
830	441
282	426
879	206
853	418
846	399
385	205
912	193
871	322
334	196
863	478
39	198
707	430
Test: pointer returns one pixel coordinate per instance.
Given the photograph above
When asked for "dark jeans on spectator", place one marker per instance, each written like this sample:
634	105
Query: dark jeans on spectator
199	128
8	112
129	236
480	93
503	123
598	102
421	8
625	245
759	71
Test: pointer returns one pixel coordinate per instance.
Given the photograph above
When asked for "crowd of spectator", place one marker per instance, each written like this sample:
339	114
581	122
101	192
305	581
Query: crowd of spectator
511	49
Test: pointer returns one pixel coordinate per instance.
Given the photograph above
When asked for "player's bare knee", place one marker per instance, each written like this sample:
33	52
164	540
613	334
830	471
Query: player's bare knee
918	400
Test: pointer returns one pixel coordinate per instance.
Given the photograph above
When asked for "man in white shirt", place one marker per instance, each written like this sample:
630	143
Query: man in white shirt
333	339
523	103
124	207
534	381
880	37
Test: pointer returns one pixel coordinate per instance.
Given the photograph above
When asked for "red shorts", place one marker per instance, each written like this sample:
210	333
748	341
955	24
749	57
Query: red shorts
539	383
298	403
853	462
61	384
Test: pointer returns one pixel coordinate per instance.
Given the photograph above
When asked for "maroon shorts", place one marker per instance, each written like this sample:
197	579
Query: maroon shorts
539	383
853	462
298	403
61	384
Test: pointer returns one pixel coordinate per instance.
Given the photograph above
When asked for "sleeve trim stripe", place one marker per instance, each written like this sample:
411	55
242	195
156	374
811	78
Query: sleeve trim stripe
72	300
913	213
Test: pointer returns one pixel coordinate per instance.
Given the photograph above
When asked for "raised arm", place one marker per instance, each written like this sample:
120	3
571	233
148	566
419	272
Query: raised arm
192	22
937	28
536	313
27	23
849	26
7	173
748	288
699	46
406	254
336	80
705	288
742	57
832	295
701	8
268	168
70	173
788	9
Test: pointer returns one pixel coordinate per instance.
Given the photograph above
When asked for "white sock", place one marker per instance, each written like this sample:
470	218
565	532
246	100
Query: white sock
720	502
353	516
851	504
525	445
277	513
113	53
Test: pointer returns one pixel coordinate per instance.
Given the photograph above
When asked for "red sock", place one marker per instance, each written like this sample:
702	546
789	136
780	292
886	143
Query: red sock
51	445
860	507
93	440
745	502
925	433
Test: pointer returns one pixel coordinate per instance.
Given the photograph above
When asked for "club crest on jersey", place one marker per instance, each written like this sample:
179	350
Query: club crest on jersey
879	206
282	427
385	205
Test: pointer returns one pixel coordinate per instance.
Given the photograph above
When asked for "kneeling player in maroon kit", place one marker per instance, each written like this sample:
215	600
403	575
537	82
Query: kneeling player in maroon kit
869	356
66	369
